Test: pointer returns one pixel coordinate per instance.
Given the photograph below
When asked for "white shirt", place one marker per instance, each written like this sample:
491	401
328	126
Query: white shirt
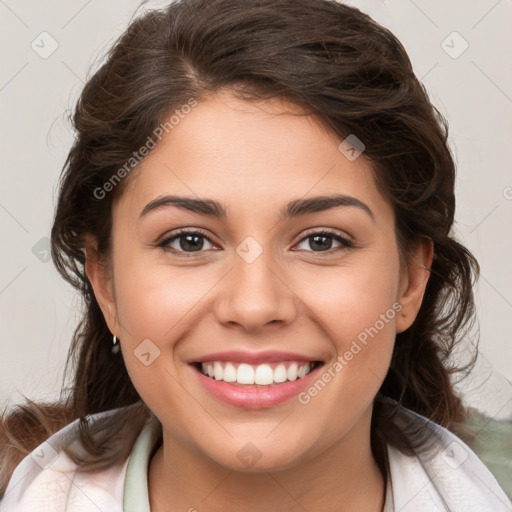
447	478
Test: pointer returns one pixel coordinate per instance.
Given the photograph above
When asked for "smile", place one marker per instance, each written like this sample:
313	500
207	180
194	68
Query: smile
251	380
265	374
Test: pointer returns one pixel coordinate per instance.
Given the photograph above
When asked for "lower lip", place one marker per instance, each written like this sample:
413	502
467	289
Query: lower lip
255	397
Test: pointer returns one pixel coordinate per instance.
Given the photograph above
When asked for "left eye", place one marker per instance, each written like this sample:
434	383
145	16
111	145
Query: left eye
193	241
320	239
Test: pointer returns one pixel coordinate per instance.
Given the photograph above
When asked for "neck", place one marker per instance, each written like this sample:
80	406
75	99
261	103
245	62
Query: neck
343	478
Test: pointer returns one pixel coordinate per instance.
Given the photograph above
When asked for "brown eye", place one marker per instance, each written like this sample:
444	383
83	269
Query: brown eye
187	242
321	241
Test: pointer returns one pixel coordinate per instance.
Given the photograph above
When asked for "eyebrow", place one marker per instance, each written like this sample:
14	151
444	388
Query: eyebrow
294	208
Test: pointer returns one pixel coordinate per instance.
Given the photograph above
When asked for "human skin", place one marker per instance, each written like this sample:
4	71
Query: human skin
292	298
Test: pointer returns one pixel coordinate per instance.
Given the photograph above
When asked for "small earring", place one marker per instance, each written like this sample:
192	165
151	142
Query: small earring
115	348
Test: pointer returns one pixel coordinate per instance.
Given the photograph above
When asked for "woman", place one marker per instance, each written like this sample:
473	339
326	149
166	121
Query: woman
257	212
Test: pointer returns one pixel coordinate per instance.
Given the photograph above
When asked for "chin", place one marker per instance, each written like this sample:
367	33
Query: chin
259	457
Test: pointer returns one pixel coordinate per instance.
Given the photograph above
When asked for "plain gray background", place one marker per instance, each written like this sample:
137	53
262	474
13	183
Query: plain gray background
461	52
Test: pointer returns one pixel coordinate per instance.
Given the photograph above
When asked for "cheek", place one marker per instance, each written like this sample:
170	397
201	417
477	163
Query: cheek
349	298
155	306
359	316
357	308
154	300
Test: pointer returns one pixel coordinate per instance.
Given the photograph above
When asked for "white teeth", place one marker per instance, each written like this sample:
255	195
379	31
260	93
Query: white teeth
229	373
291	374
280	373
217	370
262	374
245	374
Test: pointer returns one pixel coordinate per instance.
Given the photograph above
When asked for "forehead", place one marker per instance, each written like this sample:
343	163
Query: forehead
252	156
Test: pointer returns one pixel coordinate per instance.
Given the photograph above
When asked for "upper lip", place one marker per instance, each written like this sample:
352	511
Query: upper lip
269	356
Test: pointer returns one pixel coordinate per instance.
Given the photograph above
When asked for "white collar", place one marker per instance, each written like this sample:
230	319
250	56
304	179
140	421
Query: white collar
448	477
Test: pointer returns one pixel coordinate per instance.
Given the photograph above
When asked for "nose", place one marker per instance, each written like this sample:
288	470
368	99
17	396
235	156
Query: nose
255	294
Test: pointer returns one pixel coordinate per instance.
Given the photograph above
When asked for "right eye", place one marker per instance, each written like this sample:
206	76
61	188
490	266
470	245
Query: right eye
189	241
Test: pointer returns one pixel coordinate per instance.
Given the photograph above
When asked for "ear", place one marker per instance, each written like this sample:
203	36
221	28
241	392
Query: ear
413	283
100	278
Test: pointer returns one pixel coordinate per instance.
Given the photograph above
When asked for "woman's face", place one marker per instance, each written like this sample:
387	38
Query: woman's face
256	292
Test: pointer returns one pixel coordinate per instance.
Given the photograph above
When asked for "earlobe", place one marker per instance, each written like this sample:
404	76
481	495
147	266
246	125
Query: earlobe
414	283
101	282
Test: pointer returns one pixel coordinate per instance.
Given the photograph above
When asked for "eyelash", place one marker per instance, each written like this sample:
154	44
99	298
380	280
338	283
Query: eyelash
346	244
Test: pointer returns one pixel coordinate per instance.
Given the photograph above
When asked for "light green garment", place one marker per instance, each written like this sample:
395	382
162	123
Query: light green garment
136	497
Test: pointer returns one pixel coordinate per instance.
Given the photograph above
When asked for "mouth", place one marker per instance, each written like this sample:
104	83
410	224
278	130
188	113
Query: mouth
255	380
244	374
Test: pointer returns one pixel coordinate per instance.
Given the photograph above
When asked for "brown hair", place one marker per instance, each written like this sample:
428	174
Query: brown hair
340	65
